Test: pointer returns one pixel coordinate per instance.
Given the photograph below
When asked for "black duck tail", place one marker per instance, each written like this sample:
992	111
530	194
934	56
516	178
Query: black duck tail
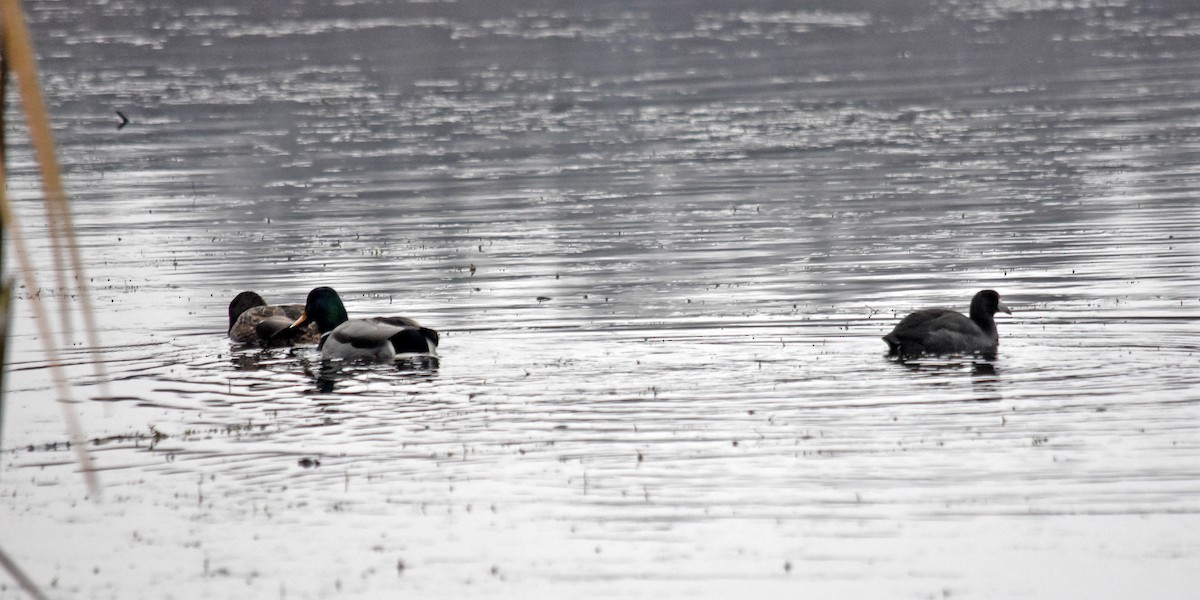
415	339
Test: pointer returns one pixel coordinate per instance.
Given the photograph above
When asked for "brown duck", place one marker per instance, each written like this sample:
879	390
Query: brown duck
253	321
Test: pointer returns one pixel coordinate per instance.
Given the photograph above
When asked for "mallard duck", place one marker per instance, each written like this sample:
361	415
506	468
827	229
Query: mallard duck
944	331
251	320
377	339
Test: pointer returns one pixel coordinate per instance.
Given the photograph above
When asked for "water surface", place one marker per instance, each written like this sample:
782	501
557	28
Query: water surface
661	240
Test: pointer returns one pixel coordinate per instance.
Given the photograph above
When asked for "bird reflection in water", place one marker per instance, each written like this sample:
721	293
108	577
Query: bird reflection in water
986	381
985	377
254	358
416	368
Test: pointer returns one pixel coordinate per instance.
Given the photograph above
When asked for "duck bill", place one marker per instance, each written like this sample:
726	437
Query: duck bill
302	320
999	307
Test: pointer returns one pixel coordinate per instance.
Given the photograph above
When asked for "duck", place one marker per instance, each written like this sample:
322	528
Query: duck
253	321
375	339
944	331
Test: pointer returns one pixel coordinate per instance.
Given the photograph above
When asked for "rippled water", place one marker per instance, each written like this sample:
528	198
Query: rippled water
661	240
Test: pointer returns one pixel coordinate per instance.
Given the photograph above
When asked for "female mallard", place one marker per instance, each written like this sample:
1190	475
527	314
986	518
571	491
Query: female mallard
252	321
378	339
944	331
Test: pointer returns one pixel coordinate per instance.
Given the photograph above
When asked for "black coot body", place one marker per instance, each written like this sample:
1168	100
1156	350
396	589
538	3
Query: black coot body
944	331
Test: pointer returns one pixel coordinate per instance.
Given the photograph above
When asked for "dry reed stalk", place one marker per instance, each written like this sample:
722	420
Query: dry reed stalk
4	312
25	268
20	55
22	579
19	59
17	55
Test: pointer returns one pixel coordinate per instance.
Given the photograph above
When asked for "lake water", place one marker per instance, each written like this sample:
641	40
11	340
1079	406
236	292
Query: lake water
661	240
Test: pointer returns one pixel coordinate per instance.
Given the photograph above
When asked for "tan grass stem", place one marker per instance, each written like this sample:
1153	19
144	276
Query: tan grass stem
21	578
19	58
26	273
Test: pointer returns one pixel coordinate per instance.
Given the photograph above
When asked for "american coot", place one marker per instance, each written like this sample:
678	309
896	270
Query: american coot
377	339
251	320
944	331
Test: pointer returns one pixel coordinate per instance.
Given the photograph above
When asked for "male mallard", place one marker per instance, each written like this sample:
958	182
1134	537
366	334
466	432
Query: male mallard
944	331
378	338
252	321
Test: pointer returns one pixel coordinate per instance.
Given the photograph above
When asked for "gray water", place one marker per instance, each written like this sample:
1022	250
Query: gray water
661	240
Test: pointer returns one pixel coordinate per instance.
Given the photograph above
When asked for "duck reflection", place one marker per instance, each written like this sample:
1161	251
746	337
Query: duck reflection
248	357
416	368
326	374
